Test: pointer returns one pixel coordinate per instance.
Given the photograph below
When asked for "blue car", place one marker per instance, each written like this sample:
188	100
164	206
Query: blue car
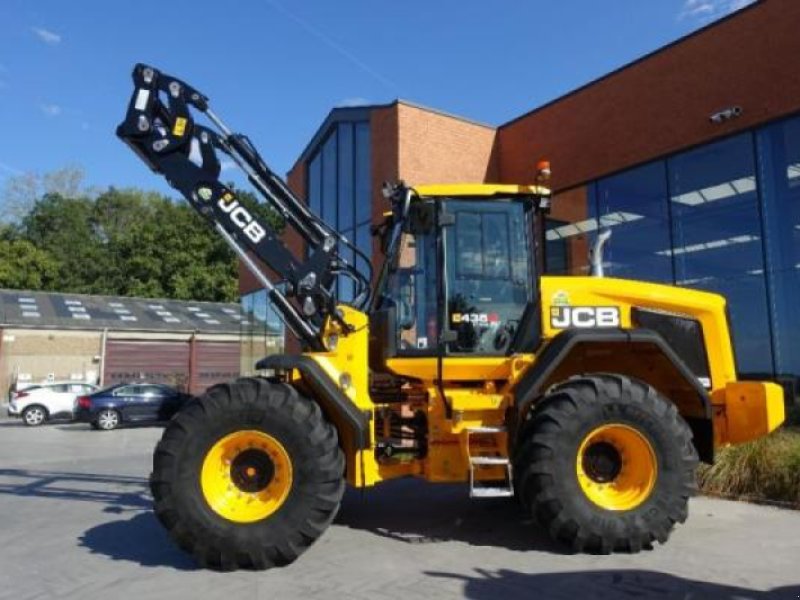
126	403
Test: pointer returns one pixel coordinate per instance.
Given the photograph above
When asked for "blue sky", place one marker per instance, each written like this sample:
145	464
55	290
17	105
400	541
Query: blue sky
274	68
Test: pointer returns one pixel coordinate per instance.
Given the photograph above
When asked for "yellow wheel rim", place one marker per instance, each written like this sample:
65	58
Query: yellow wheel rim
616	467
246	476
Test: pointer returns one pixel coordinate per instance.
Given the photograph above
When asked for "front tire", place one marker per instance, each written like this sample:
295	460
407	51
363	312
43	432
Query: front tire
247	476
605	463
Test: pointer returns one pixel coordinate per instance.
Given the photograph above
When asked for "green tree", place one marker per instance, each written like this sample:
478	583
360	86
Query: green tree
128	242
63	228
23	266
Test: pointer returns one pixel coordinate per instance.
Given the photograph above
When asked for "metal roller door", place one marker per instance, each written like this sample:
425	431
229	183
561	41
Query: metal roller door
188	365
156	362
215	362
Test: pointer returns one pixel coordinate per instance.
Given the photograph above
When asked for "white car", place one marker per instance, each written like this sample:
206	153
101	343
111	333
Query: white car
41	402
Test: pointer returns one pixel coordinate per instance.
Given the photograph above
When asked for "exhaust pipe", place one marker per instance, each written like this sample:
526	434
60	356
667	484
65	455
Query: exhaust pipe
596	253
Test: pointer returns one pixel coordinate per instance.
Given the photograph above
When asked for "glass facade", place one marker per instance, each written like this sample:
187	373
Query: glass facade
339	188
723	217
261	330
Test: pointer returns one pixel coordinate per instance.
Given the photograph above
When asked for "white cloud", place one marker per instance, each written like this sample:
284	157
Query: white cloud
706	11
47	36
50	110
226	165
353	101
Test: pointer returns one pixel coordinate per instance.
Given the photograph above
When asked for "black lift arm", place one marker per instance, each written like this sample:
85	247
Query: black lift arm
160	127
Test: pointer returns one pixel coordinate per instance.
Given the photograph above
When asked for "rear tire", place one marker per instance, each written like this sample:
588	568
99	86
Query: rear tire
34	415
606	464
213	511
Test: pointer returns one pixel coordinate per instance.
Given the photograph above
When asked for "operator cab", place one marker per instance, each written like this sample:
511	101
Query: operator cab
461	277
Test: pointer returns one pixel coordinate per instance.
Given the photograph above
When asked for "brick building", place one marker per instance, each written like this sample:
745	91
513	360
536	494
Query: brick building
690	154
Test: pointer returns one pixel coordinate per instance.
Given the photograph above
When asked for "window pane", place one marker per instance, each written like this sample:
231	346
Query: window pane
569	231
315	185
364	240
717	239
411	290
346	189
779	148
329	188
469	234
496	259
633	205
363	181
346	285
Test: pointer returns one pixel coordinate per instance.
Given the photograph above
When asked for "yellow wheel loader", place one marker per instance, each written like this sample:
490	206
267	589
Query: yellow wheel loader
589	399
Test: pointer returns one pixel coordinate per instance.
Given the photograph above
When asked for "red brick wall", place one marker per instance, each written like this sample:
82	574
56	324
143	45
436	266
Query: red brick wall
422	146
384	166
438	148
662	104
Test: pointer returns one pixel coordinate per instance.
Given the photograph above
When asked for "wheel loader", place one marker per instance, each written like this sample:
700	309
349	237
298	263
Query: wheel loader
589	399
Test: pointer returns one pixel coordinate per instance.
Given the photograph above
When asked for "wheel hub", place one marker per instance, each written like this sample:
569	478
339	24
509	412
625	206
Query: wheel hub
246	476
602	462
616	467
252	470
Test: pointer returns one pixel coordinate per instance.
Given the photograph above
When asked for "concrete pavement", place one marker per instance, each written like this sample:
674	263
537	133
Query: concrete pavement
75	522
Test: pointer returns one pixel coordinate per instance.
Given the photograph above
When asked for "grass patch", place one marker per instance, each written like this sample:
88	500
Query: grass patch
766	469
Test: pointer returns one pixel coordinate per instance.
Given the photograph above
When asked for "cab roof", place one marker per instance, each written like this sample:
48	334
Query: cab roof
480	190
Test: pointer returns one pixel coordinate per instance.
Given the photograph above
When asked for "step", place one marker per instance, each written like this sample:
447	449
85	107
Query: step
486	429
489	460
491	492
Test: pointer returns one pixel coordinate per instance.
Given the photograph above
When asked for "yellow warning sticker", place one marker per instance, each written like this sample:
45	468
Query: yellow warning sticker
180	127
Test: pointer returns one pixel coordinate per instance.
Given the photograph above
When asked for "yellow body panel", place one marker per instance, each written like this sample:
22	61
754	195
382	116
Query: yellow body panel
741	410
479	190
346	362
760	412
707	308
752	409
462	368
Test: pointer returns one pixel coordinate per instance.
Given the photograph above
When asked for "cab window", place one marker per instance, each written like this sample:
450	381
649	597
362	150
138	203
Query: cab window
411	286
489	279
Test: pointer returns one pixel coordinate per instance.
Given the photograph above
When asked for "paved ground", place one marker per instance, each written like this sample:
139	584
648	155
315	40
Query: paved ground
75	522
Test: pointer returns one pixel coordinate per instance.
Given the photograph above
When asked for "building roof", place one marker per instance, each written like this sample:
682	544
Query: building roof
48	310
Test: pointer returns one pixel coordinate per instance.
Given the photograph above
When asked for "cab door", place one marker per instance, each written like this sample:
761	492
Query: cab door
489	279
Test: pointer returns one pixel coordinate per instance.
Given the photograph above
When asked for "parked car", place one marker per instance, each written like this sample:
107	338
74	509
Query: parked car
36	404
123	403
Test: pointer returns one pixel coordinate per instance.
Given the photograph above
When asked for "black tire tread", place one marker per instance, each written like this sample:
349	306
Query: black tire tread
321	471
537	451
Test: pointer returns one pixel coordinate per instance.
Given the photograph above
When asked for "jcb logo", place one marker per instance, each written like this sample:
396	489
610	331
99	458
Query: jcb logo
242	218
584	317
